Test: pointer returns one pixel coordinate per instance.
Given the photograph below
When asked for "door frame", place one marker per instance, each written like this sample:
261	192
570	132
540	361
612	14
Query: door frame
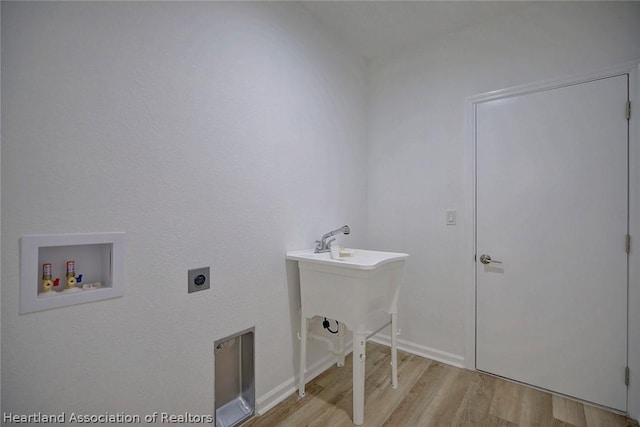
633	300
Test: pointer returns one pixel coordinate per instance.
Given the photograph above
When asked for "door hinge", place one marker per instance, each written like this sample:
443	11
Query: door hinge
627	244
626	376
628	109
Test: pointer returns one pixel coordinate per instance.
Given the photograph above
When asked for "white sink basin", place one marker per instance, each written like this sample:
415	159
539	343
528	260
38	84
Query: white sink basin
349	289
360	260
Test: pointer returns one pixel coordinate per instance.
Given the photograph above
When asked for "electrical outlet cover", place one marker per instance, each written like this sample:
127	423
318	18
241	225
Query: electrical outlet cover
198	279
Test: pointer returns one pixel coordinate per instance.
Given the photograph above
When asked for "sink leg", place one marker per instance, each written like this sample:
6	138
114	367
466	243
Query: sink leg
303	353
394	350
359	344
340	350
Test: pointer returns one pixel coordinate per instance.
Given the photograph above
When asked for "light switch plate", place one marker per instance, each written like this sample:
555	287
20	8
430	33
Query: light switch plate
198	279
451	217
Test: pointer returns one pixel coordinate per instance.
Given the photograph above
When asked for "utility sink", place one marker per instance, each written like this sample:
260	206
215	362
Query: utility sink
359	259
350	289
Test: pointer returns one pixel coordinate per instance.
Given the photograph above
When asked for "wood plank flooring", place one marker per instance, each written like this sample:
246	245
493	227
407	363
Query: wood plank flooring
429	394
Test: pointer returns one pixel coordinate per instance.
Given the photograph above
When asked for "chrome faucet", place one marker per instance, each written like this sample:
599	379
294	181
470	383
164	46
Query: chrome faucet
323	245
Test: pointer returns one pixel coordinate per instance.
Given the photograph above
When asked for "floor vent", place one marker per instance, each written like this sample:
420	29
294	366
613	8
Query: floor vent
235	400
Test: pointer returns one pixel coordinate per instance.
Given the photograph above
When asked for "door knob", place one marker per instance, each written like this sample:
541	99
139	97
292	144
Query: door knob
486	259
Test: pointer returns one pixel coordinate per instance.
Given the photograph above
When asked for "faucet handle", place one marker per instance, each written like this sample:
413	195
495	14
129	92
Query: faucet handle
329	243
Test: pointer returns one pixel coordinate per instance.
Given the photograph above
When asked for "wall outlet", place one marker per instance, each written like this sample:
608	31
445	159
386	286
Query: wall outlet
198	279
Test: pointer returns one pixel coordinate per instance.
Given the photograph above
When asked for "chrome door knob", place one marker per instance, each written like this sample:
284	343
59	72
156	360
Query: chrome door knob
486	259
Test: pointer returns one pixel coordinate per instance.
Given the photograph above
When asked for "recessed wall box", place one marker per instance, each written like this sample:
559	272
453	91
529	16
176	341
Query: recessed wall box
98	260
235	399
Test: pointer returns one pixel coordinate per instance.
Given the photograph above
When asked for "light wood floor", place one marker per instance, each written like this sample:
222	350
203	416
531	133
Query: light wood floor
429	394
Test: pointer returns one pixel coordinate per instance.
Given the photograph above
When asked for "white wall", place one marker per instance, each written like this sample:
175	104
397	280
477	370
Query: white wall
419	158
224	134
219	134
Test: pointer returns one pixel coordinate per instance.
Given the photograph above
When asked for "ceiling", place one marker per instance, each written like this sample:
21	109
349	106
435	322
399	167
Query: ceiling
375	28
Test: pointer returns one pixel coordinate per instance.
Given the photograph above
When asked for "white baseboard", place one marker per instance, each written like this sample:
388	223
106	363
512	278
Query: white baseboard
287	388
422	351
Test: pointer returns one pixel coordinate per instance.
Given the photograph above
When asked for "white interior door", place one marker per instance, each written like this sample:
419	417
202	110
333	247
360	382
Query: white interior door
552	206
